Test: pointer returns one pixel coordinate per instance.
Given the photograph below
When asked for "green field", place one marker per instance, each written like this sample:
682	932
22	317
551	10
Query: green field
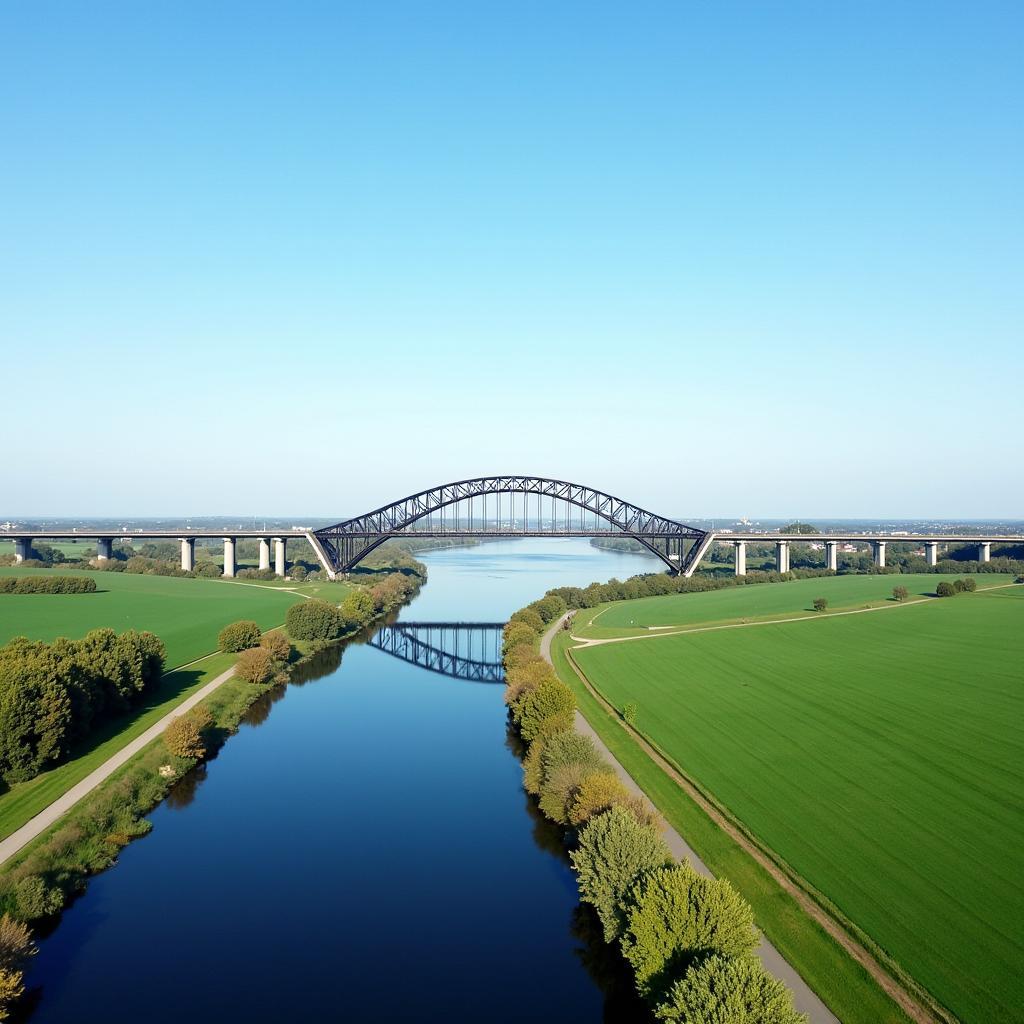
880	755
187	614
750	602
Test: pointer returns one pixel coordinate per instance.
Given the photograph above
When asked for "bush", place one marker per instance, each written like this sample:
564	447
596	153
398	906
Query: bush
207	570
552	699
944	589
900	593
34	898
313	620
239	636
614	851
276	645
629	712
1019	579
970	585
297	573
255	665
958	586
734	989
185	736
16	944
677	916
820	604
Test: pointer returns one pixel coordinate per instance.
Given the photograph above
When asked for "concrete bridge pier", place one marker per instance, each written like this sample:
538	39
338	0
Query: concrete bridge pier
832	555
279	555
104	548
985	551
22	548
229	556
740	556
782	555
264	553
188	553
931	552
879	546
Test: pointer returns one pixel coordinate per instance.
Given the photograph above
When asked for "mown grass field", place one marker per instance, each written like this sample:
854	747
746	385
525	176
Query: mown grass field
751	602
187	614
880	755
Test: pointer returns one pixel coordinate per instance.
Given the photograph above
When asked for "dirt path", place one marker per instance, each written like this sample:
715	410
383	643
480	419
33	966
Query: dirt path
804	997
34	827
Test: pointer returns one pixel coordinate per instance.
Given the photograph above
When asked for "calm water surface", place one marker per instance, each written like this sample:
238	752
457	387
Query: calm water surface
361	851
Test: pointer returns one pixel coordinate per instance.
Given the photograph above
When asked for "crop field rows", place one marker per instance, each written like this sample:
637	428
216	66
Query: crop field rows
880	755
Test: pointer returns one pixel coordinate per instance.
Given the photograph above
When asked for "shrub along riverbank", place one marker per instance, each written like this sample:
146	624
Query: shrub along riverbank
689	940
37	882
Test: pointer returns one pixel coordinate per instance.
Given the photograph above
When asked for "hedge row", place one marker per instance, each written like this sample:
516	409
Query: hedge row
689	939
52	694
47	585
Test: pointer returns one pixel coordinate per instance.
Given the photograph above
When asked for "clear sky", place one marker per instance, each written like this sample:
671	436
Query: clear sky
717	258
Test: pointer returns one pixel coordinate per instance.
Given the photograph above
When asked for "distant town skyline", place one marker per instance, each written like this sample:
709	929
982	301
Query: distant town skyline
763	258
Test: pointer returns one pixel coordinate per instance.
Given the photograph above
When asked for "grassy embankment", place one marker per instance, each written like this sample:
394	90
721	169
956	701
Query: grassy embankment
187	614
876	755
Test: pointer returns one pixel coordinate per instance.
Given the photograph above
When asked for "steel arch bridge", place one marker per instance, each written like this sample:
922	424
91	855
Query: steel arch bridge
461	650
461	509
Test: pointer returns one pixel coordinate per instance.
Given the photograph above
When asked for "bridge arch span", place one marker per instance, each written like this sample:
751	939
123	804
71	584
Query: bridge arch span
342	546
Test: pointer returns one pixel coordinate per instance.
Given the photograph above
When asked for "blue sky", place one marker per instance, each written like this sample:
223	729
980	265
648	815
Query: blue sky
721	259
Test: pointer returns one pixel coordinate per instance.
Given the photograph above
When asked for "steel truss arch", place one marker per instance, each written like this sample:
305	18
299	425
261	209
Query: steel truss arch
343	545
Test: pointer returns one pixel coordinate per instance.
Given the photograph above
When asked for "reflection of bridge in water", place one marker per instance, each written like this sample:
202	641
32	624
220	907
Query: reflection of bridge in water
462	650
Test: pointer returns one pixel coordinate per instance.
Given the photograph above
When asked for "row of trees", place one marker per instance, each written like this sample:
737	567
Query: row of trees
47	585
949	589
52	694
689	939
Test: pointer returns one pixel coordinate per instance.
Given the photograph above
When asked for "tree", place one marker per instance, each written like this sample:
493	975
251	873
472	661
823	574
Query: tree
16	946
357	610
551	699
517	633
798	527
614	851
676	916
737	990
313	620
186	735
255	665
970	584
529	617
597	793
820	604
900	593
944	589
239	636
276	644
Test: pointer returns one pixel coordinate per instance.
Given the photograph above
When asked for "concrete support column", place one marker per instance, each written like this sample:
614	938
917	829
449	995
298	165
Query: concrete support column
264	553
104	548
229	556
279	555
740	557
931	552
832	555
985	551
188	553
879	546
782	555
22	548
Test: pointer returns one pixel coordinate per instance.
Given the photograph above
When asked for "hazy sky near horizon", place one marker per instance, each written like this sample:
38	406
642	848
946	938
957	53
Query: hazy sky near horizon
719	259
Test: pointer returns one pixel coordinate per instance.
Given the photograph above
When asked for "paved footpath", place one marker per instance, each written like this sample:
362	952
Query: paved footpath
45	818
805	1000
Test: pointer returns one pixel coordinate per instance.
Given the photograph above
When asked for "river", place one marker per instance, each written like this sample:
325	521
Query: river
361	850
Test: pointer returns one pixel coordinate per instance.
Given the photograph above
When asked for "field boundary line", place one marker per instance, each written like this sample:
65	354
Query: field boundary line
905	991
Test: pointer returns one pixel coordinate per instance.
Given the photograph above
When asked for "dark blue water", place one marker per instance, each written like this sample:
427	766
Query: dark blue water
361	851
